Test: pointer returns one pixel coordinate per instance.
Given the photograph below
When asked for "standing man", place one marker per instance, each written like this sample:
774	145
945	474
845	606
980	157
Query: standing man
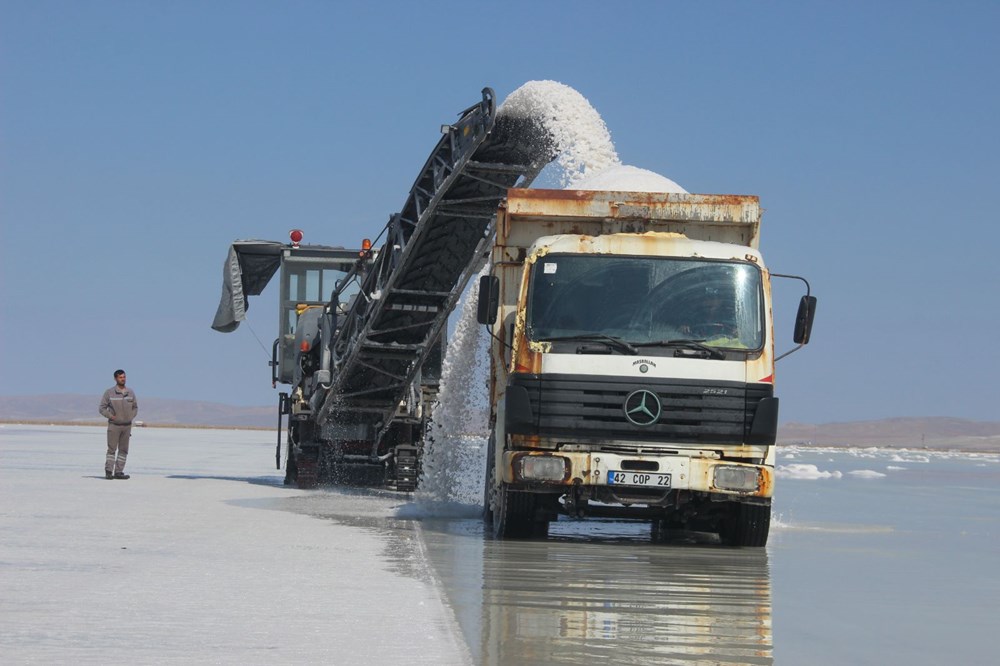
119	407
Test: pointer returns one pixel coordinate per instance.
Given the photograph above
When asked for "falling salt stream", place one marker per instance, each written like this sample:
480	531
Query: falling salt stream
454	459
578	134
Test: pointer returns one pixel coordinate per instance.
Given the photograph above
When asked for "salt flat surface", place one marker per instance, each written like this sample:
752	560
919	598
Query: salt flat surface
885	556
195	560
203	557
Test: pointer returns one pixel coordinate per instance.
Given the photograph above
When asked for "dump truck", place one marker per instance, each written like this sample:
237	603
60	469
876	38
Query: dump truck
632	363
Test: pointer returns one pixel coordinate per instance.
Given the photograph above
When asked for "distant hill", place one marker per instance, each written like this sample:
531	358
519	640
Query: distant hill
931	432
72	408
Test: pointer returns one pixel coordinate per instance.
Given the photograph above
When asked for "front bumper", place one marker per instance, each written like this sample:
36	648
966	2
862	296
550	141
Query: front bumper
708	475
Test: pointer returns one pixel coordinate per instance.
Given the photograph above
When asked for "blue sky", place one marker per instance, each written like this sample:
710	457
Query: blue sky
138	139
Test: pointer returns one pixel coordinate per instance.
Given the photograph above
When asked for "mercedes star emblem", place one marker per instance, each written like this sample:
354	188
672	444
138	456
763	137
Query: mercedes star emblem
642	407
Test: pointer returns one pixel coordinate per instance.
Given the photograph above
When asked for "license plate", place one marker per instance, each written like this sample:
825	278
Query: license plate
638	479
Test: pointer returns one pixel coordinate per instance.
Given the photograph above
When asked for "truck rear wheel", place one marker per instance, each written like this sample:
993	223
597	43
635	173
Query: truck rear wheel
746	525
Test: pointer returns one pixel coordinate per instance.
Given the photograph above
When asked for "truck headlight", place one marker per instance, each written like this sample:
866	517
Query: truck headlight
731	477
543	468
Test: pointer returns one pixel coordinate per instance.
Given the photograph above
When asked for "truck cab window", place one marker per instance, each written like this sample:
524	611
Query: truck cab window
647	299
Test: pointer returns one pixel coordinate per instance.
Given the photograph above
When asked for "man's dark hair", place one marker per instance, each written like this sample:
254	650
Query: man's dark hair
119	372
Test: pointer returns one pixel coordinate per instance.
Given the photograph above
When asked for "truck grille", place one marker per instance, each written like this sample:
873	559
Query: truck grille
691	411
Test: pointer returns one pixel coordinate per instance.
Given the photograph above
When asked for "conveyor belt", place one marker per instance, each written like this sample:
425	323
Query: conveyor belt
432	247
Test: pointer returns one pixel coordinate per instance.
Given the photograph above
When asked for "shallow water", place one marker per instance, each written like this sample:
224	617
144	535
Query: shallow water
893	565
860	569
609	595
894	569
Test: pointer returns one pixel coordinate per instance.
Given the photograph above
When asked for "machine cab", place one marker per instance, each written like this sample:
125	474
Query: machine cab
309	276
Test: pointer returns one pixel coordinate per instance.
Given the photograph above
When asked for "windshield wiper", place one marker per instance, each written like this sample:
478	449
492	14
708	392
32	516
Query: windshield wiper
610	340
685	343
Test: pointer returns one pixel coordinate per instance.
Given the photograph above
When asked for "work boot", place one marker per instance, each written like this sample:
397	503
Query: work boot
121	475
107	474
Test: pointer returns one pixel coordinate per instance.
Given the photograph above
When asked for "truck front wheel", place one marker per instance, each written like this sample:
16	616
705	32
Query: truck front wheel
514	515
746	525
509	514
489	483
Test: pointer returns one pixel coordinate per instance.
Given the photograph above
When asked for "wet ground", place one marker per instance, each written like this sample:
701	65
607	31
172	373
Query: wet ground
603	593
891	560
875	557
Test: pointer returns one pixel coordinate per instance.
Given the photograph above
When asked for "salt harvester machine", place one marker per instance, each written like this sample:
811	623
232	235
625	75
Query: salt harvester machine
362	332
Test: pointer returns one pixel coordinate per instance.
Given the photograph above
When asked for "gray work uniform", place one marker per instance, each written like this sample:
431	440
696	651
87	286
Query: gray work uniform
119	407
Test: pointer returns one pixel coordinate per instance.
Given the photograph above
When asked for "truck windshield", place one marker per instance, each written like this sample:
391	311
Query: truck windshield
646	300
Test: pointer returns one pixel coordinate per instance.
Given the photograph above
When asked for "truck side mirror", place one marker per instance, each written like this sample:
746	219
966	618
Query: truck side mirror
489	299
804	320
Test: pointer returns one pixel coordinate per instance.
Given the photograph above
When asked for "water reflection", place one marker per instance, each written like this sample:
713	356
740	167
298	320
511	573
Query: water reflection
594	590
610	594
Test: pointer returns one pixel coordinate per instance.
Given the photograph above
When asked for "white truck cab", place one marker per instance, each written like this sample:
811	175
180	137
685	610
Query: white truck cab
632	364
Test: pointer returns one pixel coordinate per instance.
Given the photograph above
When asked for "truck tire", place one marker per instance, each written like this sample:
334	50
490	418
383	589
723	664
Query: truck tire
508	514
746	525
489	478
514	515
